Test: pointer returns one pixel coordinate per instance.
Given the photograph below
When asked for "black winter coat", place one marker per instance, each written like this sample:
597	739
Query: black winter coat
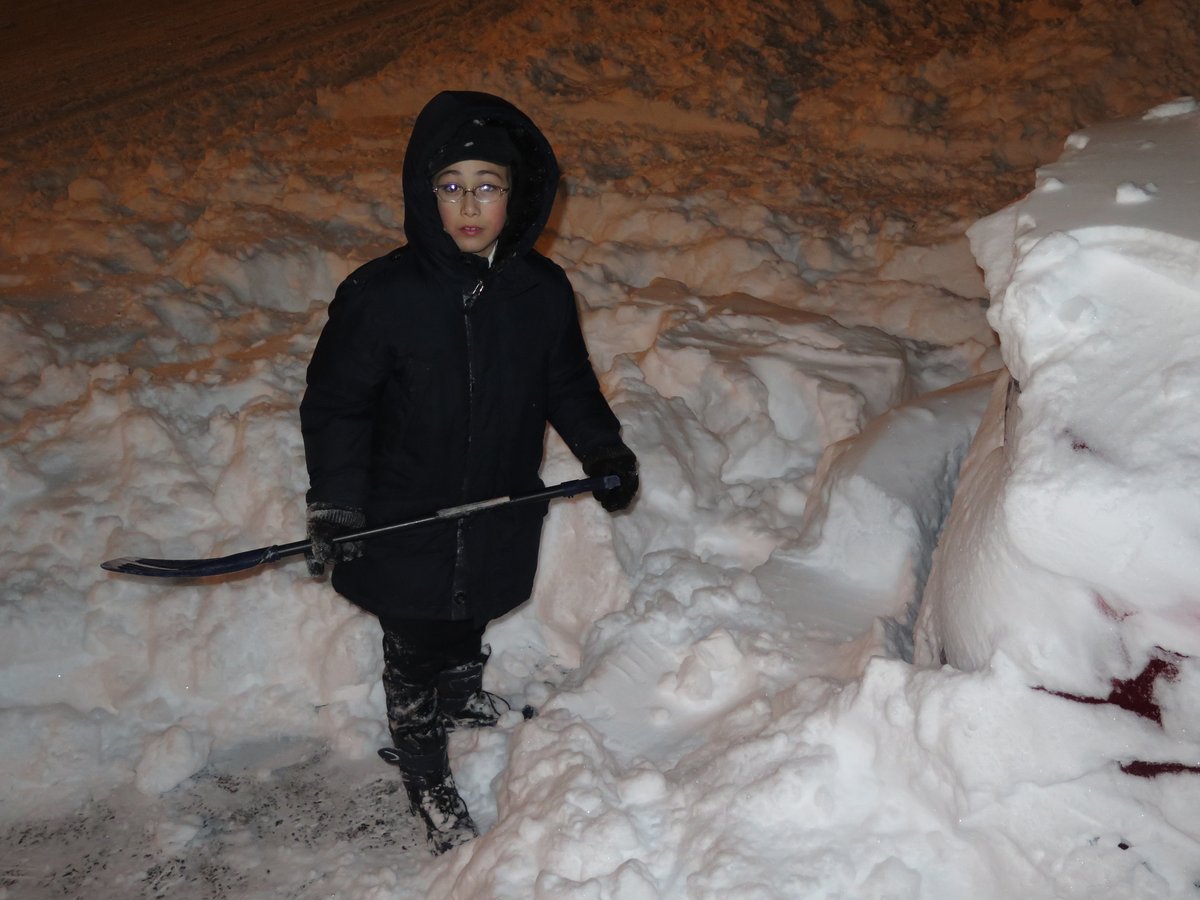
432	384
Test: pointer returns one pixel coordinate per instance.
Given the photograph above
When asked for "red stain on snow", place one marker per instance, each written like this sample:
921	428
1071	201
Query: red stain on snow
1110	611
1137	695
1142	769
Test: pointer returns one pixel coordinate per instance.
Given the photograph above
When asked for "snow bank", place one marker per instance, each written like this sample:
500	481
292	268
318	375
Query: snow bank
152	405
768	250
1071	547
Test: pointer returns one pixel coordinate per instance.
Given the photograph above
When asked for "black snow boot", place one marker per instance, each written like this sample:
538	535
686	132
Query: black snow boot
432	793
462	701
409	685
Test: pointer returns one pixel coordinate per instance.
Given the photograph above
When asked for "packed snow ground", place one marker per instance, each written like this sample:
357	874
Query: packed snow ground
768	249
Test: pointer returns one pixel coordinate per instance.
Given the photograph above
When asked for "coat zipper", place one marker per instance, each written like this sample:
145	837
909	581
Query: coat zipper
469	299
459	610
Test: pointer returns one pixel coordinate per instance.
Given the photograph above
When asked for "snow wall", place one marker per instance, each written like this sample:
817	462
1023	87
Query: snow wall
1072	542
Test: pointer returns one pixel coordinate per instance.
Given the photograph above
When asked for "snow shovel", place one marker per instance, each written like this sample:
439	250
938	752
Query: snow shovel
250	559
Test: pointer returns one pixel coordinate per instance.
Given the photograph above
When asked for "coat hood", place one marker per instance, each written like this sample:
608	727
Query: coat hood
534	183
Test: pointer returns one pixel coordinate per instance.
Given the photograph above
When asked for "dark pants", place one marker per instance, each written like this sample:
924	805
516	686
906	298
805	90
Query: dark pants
415	653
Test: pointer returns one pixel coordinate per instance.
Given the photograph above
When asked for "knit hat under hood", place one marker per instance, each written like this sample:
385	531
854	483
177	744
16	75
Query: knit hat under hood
476	140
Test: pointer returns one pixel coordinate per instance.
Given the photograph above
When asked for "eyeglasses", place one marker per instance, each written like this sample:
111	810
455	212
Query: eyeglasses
484	193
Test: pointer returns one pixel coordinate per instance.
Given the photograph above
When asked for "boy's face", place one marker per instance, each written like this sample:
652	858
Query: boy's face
474	226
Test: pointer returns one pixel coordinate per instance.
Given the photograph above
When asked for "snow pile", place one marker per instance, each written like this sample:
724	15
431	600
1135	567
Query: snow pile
1073	544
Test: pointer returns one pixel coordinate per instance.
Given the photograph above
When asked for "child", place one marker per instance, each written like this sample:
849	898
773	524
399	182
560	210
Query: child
431	386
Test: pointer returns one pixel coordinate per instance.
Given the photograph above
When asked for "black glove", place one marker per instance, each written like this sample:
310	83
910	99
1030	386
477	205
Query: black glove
324	522
619	461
